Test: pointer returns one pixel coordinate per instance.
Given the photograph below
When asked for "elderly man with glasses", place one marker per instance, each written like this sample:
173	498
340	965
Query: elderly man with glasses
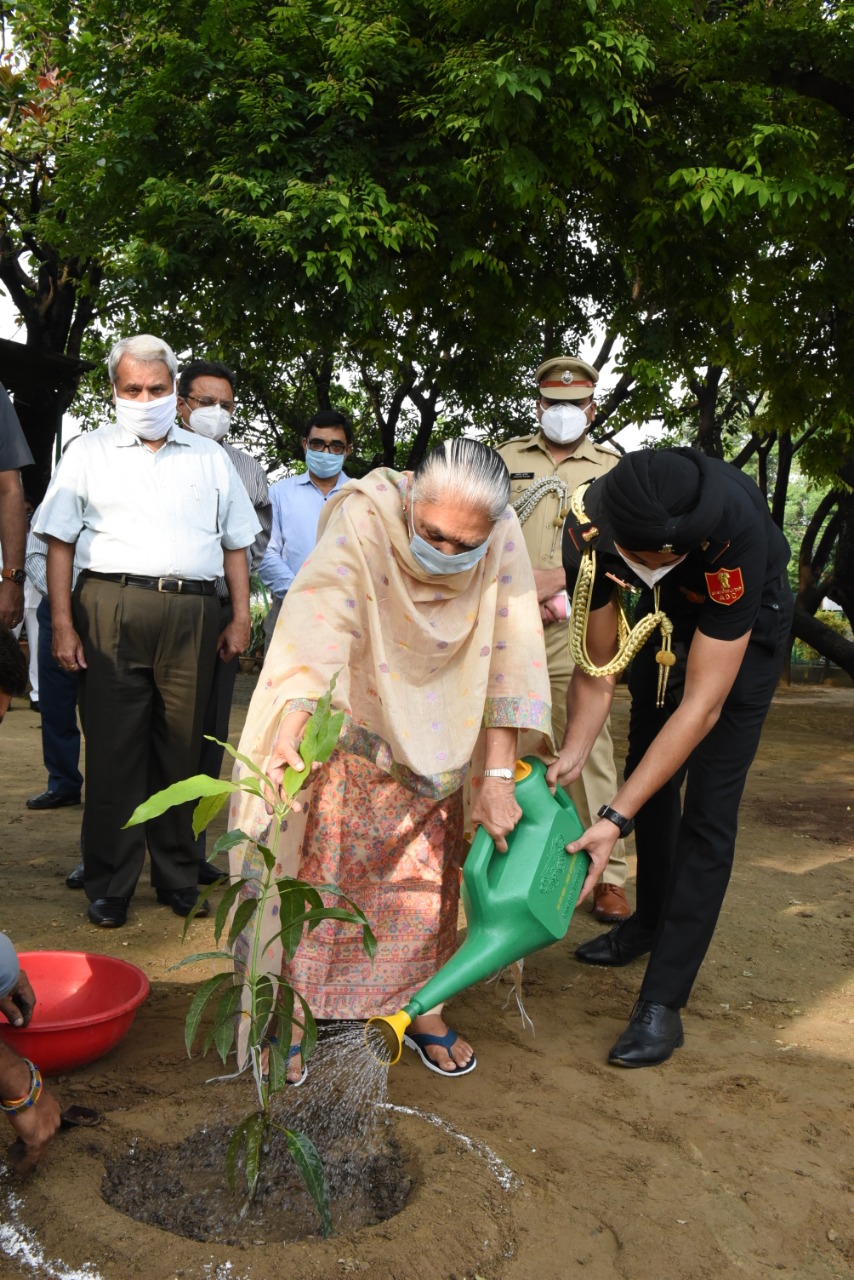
298	501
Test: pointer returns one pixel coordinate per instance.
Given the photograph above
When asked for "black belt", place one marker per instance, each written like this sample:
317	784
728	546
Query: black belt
170	586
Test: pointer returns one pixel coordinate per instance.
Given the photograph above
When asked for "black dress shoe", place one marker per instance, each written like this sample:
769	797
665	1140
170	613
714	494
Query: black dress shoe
182	901
209	874
75	878
654	1031
53	799
618	946
112	913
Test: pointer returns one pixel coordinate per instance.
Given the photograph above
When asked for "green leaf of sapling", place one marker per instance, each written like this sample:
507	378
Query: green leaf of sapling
197	1007
224	905
305	1157
240	920
230	840
178	793
206	810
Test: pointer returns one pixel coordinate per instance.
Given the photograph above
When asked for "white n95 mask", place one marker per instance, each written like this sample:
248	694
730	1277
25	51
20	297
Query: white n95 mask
650	576
212	421
564	423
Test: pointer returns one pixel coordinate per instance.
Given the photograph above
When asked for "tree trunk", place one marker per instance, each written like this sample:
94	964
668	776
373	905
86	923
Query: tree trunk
829	643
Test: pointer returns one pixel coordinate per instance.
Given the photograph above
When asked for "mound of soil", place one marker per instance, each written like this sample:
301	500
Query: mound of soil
183	1188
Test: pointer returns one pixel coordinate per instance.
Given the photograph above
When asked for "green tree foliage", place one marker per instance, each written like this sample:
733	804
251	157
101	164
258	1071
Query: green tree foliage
412	205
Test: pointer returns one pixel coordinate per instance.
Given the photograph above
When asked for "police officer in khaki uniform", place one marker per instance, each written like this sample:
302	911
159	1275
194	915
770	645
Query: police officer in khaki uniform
544	470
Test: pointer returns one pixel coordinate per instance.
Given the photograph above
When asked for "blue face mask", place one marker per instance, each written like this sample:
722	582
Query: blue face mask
324	465
436	562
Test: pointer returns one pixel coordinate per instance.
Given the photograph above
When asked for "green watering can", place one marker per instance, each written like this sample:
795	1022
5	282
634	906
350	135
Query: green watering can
515	902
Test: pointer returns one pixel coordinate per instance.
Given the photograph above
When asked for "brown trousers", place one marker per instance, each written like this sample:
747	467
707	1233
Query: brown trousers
150	659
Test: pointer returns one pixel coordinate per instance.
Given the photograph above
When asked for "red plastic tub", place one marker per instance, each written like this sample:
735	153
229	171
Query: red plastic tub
85	1005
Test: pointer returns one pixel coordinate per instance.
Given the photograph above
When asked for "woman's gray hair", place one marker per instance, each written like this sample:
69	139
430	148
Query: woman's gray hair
145	348
466	470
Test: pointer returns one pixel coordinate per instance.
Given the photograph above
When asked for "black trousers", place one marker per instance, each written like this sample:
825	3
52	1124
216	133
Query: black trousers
685	848
149	659
217	714
58	702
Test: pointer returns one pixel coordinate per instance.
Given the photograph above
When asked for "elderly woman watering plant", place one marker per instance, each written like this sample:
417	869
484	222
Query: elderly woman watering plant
420	596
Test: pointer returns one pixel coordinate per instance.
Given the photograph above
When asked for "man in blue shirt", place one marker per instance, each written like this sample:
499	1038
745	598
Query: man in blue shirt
298	501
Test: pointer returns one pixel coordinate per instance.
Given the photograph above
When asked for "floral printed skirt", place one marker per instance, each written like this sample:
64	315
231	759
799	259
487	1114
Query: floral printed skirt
398	856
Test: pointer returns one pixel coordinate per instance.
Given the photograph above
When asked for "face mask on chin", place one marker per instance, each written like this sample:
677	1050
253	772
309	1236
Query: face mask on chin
147	419
651	577
563	423
213	421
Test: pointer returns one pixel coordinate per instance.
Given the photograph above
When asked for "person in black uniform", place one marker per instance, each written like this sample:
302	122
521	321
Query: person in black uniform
695	536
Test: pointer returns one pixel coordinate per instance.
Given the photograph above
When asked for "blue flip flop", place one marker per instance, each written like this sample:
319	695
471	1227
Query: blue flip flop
292	1053
419	1042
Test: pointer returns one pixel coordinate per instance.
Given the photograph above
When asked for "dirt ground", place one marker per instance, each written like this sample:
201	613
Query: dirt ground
735	1159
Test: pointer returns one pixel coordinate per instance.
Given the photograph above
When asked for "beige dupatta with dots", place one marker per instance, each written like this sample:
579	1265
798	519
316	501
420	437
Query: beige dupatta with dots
423	663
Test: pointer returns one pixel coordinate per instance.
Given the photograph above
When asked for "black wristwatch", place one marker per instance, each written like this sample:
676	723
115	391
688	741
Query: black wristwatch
14	575
626	825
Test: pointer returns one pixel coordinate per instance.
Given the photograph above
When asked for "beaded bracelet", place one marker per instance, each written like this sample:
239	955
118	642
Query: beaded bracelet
15	1107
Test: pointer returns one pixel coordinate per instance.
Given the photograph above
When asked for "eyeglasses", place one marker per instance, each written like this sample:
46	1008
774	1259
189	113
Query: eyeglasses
326	446
208	402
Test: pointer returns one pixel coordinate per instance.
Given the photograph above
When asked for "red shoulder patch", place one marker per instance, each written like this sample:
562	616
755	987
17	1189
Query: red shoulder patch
725	586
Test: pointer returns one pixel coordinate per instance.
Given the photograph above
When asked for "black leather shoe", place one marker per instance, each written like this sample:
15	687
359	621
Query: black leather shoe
112	913
654	1031
182	901
209	874
618	946
75	879
53	799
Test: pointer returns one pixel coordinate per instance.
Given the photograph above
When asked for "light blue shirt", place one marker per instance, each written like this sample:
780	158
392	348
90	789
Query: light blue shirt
130	509
297	504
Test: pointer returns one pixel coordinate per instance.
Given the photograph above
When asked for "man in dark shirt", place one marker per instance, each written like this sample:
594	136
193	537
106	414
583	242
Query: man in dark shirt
696	537
14	454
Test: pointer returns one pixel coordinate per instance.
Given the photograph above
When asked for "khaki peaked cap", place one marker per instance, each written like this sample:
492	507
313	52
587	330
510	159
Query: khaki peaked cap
566	378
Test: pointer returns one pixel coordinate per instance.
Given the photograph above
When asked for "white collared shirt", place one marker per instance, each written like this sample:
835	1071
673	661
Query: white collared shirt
130	509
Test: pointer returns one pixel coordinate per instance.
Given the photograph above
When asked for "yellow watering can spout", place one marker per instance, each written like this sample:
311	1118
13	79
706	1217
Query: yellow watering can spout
385	1036
515	902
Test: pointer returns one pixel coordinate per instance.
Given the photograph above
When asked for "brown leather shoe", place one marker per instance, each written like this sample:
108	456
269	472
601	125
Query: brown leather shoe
609	904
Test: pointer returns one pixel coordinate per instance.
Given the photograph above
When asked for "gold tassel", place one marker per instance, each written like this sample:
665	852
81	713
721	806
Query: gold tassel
629	641
665	656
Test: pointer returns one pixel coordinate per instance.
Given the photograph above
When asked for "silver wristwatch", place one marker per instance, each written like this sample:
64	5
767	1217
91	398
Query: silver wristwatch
509	775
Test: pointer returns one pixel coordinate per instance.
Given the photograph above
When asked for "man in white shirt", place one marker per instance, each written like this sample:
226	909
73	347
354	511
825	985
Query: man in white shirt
298	501
152	514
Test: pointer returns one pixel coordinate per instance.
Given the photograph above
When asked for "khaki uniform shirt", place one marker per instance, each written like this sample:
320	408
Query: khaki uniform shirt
528	460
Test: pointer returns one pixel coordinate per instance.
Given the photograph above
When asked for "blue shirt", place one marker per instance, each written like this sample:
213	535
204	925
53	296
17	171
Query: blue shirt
297	504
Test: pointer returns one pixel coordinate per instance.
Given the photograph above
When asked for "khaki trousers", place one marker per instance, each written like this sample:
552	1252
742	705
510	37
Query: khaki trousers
598	782
149	666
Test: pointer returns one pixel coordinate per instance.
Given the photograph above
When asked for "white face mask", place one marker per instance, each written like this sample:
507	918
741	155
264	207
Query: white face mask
650	576
148	419
564	423
213	421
